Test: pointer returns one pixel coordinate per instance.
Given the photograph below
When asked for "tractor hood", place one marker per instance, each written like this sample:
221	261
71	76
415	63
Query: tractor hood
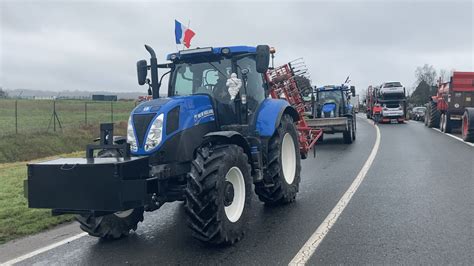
177	114
152	106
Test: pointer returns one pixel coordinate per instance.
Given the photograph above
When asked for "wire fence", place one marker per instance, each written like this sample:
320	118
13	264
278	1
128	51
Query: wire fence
35	116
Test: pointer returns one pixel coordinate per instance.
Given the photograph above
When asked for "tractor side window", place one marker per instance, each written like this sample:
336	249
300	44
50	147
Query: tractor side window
255	85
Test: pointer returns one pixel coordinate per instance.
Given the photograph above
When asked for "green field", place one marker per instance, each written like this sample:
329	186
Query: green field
33	140
34	116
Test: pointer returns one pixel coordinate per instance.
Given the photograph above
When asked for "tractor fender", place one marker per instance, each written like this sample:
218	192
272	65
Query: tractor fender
270	113
228	137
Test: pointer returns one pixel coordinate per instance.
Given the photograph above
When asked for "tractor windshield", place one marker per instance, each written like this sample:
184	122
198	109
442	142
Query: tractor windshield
210	77
334	96
205	77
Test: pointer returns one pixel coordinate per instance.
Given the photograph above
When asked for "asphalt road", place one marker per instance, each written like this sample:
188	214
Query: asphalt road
414	206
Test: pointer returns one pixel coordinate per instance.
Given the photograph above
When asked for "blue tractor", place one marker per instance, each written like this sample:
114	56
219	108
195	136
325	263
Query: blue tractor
214	137
332	111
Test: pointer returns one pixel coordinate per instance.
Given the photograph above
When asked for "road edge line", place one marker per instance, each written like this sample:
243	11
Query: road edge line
454	137
308	249
43	249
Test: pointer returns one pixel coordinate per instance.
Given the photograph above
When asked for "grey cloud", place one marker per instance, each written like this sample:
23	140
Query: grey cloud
90	46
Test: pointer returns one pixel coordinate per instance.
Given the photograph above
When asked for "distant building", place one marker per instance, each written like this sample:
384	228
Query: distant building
102	97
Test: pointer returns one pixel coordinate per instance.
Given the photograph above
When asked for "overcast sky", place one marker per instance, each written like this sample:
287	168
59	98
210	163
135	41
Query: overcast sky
86	45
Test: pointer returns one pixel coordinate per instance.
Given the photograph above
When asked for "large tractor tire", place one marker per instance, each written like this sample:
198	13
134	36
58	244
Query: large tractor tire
282	177
354	128
112	226
218	194
348	135
433	115
467	128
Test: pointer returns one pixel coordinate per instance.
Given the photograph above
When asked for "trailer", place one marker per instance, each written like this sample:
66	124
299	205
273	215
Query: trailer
453	105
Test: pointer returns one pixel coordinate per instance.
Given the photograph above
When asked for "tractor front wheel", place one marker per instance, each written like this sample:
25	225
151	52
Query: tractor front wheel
111	226
282	177
218	194
434	115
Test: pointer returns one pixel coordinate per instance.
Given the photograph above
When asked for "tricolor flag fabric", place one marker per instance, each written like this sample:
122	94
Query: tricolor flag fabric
183	34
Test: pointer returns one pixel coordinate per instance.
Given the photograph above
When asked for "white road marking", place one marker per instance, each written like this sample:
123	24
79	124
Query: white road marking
454	137
305	253
44	249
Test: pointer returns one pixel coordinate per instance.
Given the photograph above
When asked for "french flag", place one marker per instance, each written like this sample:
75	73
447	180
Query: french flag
183	34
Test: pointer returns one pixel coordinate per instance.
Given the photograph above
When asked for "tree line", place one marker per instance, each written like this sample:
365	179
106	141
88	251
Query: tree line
427	79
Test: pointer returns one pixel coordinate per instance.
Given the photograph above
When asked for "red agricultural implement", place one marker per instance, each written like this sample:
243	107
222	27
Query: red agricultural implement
453	105
283	81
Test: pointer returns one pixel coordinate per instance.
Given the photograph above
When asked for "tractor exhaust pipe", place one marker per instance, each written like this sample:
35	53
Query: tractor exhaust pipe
155	83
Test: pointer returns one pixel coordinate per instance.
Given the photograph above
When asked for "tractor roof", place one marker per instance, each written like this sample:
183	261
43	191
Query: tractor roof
213	50
333	88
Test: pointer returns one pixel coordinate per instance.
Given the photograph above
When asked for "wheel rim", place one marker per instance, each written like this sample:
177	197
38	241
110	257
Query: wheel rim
123	214
288	158
234	196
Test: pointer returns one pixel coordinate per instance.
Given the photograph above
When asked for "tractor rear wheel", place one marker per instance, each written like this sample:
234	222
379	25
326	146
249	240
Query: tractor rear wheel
354	128
282	177
111	226
218	194
434	115
467	128
348	135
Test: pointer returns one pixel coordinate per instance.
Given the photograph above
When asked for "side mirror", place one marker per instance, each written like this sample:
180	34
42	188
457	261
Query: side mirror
262	58
353	90
142	71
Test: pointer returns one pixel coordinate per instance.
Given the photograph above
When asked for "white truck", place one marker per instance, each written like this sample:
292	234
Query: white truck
355	103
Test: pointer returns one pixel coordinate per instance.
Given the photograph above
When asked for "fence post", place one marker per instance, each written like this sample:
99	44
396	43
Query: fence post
85	113
112	111
54	115
16	117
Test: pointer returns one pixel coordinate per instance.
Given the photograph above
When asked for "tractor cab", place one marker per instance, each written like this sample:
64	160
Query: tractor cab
228	75
332	101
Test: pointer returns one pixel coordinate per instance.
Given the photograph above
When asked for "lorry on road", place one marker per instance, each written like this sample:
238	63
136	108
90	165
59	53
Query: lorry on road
355	101
453	105
216	136
333	112
392	97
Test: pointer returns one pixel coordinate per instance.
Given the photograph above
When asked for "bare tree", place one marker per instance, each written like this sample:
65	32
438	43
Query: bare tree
445	75
426	73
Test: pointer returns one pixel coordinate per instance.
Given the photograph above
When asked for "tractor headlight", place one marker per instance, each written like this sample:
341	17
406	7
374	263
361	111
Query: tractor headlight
131	139
154	135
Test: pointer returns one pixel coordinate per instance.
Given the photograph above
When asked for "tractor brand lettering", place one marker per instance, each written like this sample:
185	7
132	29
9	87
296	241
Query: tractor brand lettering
203	114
